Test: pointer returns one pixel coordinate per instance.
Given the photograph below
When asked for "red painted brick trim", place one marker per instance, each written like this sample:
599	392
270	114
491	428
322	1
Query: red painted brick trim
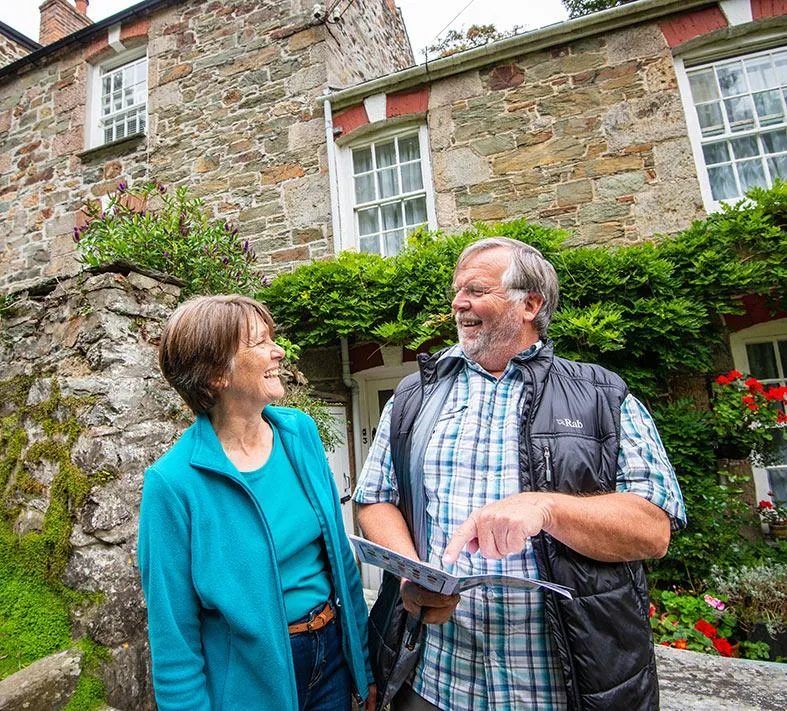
97	47
137	28
687	25
768	8
757	311
350	119
402	103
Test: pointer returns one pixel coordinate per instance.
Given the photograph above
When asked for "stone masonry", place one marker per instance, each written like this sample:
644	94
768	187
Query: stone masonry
94	337
232	111
10	49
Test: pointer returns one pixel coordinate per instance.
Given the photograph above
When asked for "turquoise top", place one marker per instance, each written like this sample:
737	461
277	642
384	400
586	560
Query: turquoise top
297	538
216	616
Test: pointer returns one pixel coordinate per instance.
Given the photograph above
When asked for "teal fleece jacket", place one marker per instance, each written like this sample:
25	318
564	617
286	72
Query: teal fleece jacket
216	618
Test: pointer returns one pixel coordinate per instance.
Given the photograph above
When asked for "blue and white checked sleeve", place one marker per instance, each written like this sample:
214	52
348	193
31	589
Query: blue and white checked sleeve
377	482
643	466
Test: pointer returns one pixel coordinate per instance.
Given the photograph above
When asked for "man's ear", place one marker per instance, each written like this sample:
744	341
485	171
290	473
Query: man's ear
531	306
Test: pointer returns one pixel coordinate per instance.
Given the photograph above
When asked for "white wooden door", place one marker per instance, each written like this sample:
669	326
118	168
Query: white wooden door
339	461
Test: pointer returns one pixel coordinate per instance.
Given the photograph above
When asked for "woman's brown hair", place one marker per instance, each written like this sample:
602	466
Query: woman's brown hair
200	341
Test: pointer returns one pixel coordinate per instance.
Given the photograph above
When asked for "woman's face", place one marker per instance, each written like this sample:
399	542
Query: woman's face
254	376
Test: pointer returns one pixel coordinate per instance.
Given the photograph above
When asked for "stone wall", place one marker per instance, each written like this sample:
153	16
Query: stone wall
589	136
232	111
81	362
10	51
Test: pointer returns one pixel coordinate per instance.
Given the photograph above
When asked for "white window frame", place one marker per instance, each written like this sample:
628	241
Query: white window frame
707	55
760	333
95	131
349	235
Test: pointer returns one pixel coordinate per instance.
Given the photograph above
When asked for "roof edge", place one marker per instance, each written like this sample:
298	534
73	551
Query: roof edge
18	37
81	36
532	41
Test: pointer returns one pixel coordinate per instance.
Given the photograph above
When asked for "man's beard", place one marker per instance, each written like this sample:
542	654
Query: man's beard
495	335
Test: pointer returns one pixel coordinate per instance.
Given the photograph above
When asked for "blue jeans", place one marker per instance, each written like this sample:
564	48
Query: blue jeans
321	672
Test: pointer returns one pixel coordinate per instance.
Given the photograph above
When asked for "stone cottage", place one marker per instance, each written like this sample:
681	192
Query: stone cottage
316	134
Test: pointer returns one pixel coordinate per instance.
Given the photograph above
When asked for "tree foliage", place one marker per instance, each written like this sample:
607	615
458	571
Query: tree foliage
578	8
474	36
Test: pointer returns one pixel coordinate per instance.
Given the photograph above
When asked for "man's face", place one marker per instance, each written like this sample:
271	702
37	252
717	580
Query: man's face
491	328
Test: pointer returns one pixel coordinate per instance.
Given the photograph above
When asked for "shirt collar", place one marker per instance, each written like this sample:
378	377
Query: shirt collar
457	352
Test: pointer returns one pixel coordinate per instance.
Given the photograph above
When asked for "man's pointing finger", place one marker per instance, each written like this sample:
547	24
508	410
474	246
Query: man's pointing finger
466	533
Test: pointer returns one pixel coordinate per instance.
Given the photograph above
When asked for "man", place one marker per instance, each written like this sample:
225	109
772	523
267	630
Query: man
549	469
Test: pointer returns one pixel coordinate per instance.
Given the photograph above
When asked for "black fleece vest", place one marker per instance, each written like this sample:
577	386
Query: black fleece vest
569	441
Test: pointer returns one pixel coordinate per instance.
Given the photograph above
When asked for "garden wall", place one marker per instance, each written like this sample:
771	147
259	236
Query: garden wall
83	412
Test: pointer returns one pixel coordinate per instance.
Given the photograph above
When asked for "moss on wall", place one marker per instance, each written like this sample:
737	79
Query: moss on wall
35	606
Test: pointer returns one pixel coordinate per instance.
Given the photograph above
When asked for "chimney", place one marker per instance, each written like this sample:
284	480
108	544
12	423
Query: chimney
59	18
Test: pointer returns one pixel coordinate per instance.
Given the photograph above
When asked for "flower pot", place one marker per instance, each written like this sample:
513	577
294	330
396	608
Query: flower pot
778	530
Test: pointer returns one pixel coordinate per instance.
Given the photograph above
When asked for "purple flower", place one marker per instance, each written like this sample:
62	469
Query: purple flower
226	260
165	253
162	188
227	226
265	281
102	215
77	234
245	246
122	186
234	231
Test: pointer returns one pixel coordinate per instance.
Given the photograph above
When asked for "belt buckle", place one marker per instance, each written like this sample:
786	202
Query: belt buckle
316	620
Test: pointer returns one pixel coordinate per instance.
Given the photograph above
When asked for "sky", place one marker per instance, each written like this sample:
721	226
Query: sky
425	19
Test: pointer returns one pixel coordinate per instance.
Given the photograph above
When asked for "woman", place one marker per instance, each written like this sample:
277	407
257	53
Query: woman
254	600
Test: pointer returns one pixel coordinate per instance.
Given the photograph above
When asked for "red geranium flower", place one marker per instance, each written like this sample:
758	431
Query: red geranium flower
682	644
723	647
734	374
765	504
754	385
651	610
706	628
723	380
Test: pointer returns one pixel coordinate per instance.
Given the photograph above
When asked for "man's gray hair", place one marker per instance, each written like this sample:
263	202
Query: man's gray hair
528	273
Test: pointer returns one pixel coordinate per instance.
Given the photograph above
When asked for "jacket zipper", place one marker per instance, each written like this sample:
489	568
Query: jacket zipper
548	466
539	541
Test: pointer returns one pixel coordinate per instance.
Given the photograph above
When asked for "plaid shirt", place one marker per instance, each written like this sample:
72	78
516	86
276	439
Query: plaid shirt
496	651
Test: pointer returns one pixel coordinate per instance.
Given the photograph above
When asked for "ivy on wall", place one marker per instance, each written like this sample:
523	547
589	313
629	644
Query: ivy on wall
647	310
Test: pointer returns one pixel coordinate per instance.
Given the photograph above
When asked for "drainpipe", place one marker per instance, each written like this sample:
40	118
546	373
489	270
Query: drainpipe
355	392
333	177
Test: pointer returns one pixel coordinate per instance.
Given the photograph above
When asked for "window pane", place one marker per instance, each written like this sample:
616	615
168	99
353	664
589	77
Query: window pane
781	346
777	476
740	113
141	121
367	221
761	74
392	216
132	125
762	360
117	81
716	153
775	141
411	177
107	135
731	79
415	211
394	241
106	85
745	147
703	86
364	188
370	244
751	174
769	107
408	149
711	121
777	166
780	65
722	182
388	182
362	160
386	154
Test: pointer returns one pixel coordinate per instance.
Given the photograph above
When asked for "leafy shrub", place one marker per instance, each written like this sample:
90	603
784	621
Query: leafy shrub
759	594
166	231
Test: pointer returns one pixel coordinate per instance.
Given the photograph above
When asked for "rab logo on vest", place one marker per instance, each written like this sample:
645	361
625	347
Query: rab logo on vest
576	424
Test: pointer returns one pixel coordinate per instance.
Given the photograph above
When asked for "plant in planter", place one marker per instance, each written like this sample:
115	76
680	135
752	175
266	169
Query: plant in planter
758	597
774	514
744	413
685	621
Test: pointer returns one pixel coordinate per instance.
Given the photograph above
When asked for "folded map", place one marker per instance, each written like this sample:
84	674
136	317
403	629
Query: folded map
437	580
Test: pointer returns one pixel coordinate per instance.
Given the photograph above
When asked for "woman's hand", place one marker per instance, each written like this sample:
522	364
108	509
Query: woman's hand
371	699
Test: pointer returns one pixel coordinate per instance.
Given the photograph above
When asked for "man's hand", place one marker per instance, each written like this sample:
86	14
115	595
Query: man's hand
501	528
438	608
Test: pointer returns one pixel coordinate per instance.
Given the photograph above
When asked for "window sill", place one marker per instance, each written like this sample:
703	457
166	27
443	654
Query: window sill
119	147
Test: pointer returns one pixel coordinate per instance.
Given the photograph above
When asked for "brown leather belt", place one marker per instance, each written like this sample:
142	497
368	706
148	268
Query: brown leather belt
322	618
